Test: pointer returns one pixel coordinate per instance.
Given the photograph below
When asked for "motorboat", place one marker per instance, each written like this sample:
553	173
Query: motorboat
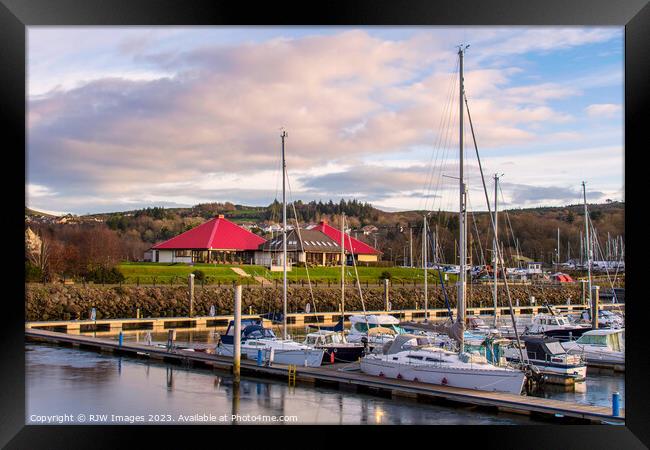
406	359
551	359
336	349
600	348
254	337
552	325
373	329
606	319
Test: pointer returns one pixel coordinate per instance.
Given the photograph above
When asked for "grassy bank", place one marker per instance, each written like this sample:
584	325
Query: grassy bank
164	273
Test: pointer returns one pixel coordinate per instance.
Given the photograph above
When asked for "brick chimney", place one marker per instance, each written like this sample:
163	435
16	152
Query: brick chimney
220	216
323	222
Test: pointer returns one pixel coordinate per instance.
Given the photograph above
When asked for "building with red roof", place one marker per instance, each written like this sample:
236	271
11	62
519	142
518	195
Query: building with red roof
361	251
317	245
216	241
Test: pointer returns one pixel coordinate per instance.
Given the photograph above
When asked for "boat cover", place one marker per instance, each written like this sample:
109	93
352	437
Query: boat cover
454	330
337	327
399	341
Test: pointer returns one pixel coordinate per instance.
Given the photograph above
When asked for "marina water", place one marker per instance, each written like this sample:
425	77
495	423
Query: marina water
64	383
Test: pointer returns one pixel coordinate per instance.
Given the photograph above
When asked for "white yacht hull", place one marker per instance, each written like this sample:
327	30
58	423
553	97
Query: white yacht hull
297	356
597	356
479	379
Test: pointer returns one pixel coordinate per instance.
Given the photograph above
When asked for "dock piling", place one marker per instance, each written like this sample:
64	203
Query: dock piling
236	365
171	336
191	285
595	292
386	294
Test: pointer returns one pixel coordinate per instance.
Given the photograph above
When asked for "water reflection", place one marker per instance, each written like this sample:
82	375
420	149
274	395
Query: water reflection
235	402
68	381
64	380
170	379
596	390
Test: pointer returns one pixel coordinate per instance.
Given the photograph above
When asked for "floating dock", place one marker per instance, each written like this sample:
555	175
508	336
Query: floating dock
323	318
344	376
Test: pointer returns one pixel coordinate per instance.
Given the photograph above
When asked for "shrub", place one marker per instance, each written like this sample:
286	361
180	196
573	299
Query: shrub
385	275
199	275
375	263
104	275
32	273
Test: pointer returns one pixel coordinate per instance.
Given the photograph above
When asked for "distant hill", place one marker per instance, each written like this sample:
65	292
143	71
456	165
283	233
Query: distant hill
530	232
34	213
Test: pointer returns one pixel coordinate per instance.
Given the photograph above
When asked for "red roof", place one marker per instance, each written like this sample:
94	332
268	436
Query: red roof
358	247
218	234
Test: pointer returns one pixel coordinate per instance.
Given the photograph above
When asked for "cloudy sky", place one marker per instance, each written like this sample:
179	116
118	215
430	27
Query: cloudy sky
126	117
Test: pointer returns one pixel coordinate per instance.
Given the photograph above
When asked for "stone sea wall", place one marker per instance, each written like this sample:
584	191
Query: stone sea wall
69	302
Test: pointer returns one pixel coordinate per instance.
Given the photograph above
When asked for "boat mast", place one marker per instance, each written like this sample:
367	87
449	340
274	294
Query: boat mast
557	256
495	253
587	241
424	266
343	268
462	286
283	135
410	246
582	247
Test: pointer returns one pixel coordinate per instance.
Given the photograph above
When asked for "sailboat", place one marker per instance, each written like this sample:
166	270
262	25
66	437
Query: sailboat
332	339
255	337
405	359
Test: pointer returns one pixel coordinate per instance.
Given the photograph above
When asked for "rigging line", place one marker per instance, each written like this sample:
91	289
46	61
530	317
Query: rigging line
480	257
293	205
499	256
274	218
437	146
356	275
443	133
442	282
599	248
440	179
512	231
446	135
507	241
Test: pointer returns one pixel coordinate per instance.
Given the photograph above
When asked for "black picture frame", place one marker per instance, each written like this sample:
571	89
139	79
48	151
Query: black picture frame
16	15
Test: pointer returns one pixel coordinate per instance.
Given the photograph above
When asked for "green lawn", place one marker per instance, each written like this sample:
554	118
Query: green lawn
177	273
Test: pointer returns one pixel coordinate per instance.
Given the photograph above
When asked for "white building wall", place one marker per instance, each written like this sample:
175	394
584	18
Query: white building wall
182	259
165	256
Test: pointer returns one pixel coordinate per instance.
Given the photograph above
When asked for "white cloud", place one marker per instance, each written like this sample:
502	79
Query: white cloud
604	110
39	191
186	123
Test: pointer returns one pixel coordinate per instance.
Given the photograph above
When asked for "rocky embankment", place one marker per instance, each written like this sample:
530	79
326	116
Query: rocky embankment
65	302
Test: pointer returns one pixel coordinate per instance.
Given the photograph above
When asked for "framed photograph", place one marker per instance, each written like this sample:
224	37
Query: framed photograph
359	213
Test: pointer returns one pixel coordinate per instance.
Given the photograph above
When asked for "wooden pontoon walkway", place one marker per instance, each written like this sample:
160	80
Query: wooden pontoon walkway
323	318
558	410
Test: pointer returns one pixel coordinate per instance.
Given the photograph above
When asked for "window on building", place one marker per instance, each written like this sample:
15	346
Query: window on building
182	253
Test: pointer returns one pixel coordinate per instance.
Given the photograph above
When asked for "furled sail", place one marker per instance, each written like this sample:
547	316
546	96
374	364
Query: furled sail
454	330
